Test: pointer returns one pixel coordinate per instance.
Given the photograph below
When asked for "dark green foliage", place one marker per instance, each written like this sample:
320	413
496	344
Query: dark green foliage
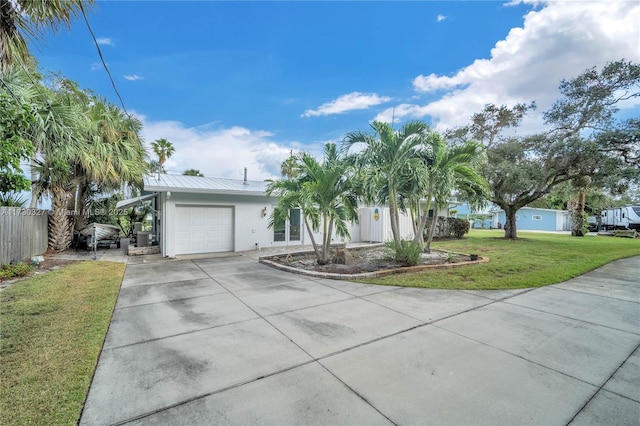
13	146
458	228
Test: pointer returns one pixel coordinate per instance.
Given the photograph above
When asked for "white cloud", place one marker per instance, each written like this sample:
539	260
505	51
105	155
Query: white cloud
440	18
349	102
133	77
559	40
221	151
104	41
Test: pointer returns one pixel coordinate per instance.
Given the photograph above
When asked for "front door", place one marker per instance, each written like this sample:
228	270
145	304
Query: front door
290	230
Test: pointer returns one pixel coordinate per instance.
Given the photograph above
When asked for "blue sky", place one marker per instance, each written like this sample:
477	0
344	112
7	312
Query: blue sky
240	84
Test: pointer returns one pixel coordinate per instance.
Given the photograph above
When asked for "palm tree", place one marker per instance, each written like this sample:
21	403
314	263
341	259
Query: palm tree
389	157
451	169
163	149
113	155
21	20
288	166
325	195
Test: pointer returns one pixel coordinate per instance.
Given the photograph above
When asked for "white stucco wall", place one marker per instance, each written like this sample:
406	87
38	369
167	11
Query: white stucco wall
249	226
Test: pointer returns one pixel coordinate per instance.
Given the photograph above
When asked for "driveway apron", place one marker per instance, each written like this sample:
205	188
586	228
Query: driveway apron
231	341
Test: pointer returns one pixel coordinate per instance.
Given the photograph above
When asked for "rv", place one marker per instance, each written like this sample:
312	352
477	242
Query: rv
627	217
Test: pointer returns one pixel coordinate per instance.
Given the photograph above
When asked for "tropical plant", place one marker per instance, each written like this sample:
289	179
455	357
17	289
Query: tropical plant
14	148
325	195
22	20
288	166
163	149
12	199
387	159
451	167
407	252
84	145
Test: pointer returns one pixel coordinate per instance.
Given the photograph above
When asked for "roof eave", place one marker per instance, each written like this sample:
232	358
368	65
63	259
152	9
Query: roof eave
203	191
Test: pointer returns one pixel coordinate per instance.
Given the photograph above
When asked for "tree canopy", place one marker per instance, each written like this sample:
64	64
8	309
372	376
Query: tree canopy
583	138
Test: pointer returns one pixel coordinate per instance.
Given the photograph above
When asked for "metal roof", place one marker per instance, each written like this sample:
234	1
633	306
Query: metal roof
125	204
207	185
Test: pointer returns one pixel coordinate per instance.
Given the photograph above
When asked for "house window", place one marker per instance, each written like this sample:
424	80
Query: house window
536	217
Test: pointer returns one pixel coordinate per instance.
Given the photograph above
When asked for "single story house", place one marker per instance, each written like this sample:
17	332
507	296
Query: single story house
207	215
535	219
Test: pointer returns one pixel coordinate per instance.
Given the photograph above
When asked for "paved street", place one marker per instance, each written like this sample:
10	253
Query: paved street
231	341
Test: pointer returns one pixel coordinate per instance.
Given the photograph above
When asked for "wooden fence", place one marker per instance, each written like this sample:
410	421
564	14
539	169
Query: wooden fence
23	233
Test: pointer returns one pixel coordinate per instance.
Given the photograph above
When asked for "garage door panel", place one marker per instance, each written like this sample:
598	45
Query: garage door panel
201	229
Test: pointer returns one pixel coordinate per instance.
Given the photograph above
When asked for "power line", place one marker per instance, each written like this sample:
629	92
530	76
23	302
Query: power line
104	64
4	83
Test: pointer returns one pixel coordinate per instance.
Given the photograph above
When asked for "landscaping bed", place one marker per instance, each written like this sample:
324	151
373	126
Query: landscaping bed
359	262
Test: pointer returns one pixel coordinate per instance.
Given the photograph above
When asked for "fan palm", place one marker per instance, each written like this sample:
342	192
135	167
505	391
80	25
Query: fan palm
21	20
163	149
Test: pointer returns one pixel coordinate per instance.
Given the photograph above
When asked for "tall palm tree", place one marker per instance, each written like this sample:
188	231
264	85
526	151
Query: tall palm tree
288	166
113	154
21	20
452	168
323	192
163	149
387	156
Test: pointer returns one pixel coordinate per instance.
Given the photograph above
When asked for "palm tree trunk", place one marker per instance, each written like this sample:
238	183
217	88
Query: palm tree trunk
419	236
393	217
35	193
432	229
312	238
59	225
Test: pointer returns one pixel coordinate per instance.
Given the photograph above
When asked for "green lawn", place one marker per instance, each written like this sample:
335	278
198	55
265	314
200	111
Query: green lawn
533	260
52	327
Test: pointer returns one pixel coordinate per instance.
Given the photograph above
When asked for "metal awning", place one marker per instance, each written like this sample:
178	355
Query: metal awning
125	204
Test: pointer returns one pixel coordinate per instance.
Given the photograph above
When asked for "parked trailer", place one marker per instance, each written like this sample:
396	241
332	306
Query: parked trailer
627	217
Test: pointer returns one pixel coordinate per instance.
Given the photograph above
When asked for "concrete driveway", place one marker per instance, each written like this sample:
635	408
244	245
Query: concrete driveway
231	341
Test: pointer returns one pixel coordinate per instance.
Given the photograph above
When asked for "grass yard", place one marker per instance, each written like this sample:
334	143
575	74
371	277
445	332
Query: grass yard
52	327
534	260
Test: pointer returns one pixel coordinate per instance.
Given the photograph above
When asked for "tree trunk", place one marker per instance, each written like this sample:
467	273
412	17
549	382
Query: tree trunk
432	229
510	229
35	194
419	235
393	217
576	223
311	237
59	225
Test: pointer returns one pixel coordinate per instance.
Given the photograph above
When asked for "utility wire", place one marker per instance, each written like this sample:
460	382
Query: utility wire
37	86
4	83
104	64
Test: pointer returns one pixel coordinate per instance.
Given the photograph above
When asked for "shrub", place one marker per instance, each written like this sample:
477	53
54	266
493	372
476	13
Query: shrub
19	269
458	227
407	252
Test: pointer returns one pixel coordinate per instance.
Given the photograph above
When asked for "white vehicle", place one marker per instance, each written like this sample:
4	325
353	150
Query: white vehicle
627	217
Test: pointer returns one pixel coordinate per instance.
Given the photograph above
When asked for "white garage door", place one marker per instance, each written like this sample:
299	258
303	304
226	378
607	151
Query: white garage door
203	229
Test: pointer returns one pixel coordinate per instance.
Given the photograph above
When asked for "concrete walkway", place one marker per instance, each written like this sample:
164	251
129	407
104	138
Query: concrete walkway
231	341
